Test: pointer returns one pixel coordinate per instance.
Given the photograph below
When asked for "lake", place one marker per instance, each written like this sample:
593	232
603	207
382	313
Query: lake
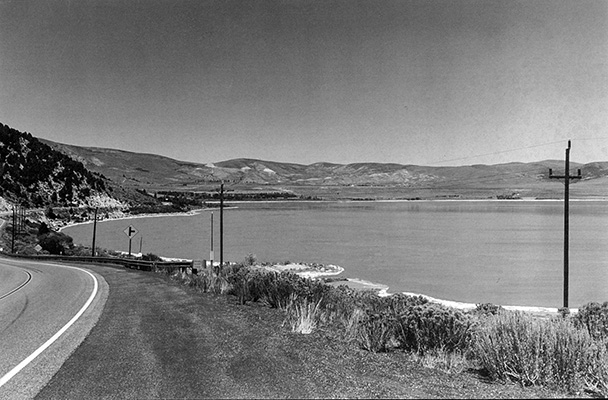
503	252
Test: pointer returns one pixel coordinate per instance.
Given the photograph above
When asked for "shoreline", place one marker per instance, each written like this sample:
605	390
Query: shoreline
307	270
148	215
382	290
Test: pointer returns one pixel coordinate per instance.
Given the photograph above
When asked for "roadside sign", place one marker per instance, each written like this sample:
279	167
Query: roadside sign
197	264
38	248
130	231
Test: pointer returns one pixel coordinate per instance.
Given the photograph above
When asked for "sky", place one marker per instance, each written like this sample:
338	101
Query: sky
431	82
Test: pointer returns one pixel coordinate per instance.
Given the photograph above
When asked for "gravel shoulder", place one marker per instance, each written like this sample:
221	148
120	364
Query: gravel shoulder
157	339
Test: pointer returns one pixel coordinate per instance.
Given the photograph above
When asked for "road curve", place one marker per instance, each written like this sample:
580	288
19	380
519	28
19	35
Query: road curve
46	311
12	280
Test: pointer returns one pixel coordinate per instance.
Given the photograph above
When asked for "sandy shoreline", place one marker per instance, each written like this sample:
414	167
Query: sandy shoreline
150	215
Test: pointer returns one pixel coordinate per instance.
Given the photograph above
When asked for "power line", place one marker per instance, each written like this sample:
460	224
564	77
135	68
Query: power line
497	152
596	138
517	149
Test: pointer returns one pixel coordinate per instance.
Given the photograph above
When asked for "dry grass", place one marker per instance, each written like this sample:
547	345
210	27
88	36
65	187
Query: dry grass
451	362
548	352
302	314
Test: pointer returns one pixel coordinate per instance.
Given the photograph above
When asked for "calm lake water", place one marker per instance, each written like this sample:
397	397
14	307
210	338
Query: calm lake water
503	252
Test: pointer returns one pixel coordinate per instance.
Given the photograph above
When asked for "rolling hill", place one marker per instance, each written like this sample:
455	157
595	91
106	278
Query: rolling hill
328	180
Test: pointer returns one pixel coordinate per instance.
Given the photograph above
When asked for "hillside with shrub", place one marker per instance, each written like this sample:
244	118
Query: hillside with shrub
35	175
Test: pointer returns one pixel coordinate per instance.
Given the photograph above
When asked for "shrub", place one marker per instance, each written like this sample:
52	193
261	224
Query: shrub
205	281
535	351
426	327
151	257
303	314
352	312
80	250
563	312
276	289
55	242
43	229
487	309
376	331
594	317
373	320
250	259
240	278
400	302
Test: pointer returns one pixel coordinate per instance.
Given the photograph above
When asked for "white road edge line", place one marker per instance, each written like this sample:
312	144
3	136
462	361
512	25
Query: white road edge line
29	278
56	336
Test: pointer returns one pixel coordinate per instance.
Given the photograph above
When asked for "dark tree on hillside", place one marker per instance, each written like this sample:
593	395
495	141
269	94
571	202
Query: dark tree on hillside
43	229
55	242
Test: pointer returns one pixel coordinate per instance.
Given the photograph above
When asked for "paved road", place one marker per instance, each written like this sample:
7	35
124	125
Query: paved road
46	310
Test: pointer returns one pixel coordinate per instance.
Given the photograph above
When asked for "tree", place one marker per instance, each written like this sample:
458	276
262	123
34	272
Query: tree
43	229
55	242
50	213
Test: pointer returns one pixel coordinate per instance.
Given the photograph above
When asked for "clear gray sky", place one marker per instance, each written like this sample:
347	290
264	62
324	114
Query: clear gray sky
413	82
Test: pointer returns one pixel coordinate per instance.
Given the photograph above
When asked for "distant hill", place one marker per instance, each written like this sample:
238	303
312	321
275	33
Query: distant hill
157	173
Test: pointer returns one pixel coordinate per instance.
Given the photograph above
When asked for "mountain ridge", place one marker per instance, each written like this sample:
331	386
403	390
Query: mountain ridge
157	172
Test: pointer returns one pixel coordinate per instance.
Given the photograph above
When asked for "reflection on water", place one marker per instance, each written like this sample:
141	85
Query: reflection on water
504	252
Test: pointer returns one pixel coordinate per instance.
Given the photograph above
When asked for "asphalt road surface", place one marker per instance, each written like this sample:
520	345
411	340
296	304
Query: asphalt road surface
46	311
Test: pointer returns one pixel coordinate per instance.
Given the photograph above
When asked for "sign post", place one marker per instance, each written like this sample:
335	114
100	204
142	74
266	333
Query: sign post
130	232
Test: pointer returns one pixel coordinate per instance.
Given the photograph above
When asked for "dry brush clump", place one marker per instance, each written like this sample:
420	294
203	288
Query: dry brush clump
303	314
550	352
432	327
205	281
594	317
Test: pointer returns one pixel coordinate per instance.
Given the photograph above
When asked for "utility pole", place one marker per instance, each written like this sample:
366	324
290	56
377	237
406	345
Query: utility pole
566	177
14	227
94	231
221	225
21	218
211	251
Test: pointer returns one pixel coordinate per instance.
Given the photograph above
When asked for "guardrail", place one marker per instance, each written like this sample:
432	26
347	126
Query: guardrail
125	262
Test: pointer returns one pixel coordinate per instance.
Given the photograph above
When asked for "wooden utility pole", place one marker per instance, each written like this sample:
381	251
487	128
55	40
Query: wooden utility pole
14	227
566	177
21	218
211	255
222	225
94	231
